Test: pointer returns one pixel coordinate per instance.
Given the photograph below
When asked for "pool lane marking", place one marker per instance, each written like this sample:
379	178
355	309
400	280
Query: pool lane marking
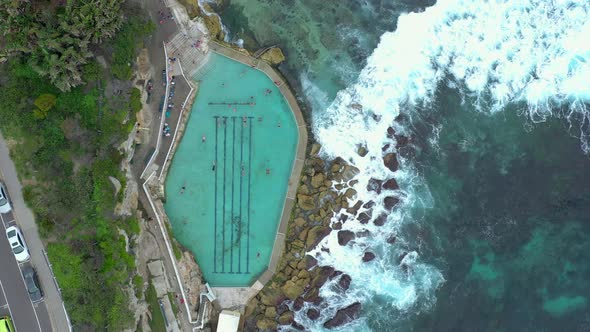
249	193
224	175
215	210
241	188
233	168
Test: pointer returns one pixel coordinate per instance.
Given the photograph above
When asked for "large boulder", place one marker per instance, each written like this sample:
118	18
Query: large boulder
313	314
274	56
390	201
344	281
306	202
364	217
270	312
286	318
368	256
322	275
344	237
266	324
390	161
344	316
374	185
298	304
292	290
317	180
391	184
315	149
315	235
380	220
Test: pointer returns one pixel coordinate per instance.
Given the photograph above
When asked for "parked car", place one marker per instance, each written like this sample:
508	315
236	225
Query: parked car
32	282
17	243
6	324
4	202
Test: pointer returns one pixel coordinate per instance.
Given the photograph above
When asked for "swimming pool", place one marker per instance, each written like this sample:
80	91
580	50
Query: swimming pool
228	180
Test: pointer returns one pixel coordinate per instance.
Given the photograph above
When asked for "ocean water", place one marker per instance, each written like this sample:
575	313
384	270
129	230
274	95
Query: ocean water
491	232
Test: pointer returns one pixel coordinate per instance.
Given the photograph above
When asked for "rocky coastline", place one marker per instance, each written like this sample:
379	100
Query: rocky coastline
324	187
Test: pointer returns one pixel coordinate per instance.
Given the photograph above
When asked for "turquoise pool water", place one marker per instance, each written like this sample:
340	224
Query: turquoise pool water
236	179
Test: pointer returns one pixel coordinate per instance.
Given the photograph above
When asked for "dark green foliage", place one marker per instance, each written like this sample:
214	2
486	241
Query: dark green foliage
125	46
56	41
69	153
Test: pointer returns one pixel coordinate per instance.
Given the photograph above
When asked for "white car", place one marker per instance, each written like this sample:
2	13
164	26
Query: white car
17	243
4	203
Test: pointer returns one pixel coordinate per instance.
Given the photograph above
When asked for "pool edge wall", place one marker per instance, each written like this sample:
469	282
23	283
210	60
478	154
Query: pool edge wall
298	161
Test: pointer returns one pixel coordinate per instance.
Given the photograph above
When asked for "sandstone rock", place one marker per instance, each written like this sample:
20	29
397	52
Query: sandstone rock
274	56
305	202
389	202
369	205
350	193
344	281
292	290
374	185
312	295
303	189
337	225
344	237
299	222
322	274
401	257
349	172
390	161
271	297
385	147
354	209
343	316
266	324
286	318
343	218
380	220
317	180
315	235
391	239
303	274
298	304
391	184
368	256
313	314
315	149
270	312
213	24
362	151
303	234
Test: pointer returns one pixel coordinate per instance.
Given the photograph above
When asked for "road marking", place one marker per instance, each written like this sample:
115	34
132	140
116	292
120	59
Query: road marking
5	299
24	283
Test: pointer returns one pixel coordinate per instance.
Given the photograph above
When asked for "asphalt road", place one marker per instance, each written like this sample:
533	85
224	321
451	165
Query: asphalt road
50	314
25	315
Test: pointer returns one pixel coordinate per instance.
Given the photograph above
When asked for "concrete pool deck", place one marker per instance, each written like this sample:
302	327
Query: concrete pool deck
233	297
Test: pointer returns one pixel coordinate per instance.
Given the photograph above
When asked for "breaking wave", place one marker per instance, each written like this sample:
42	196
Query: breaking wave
532	53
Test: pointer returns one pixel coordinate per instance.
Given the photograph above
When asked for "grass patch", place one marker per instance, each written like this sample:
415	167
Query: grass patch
157	322
175	245
138	286
173	303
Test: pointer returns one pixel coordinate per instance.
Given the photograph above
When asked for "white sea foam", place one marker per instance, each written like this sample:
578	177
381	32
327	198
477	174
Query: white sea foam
534	52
